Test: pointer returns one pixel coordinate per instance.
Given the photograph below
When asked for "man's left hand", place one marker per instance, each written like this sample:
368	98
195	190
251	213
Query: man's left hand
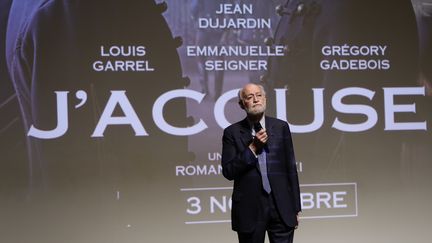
298	221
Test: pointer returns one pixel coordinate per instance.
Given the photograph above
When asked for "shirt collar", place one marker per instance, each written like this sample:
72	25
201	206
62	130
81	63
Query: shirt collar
262	122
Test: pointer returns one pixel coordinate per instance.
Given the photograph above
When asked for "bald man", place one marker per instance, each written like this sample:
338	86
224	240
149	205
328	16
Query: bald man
258	154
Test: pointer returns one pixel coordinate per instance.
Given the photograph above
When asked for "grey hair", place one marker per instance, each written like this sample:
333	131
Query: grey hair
240	93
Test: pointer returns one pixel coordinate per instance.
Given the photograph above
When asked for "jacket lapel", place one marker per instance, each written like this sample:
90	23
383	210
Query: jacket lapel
245	132
270	132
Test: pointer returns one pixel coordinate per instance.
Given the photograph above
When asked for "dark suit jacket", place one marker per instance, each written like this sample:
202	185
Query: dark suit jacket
240	164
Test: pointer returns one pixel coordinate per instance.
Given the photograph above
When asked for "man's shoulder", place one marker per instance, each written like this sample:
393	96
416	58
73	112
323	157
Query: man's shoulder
276	121
235	126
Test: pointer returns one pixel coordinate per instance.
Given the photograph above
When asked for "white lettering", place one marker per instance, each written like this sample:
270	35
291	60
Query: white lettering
390	108
318	111
165	126
368	111
219	109
62	120
130	118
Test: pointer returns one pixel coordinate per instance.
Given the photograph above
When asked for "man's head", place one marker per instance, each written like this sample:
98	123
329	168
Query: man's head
252	99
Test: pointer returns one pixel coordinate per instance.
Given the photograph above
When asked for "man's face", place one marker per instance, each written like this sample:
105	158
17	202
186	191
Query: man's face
254	100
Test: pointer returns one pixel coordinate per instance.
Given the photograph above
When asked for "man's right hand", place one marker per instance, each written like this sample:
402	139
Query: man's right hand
259	141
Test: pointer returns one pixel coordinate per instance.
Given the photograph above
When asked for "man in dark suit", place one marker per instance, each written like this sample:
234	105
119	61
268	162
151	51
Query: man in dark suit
258	155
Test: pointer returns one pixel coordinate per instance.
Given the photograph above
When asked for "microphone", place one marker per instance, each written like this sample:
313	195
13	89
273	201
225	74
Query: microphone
257	127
